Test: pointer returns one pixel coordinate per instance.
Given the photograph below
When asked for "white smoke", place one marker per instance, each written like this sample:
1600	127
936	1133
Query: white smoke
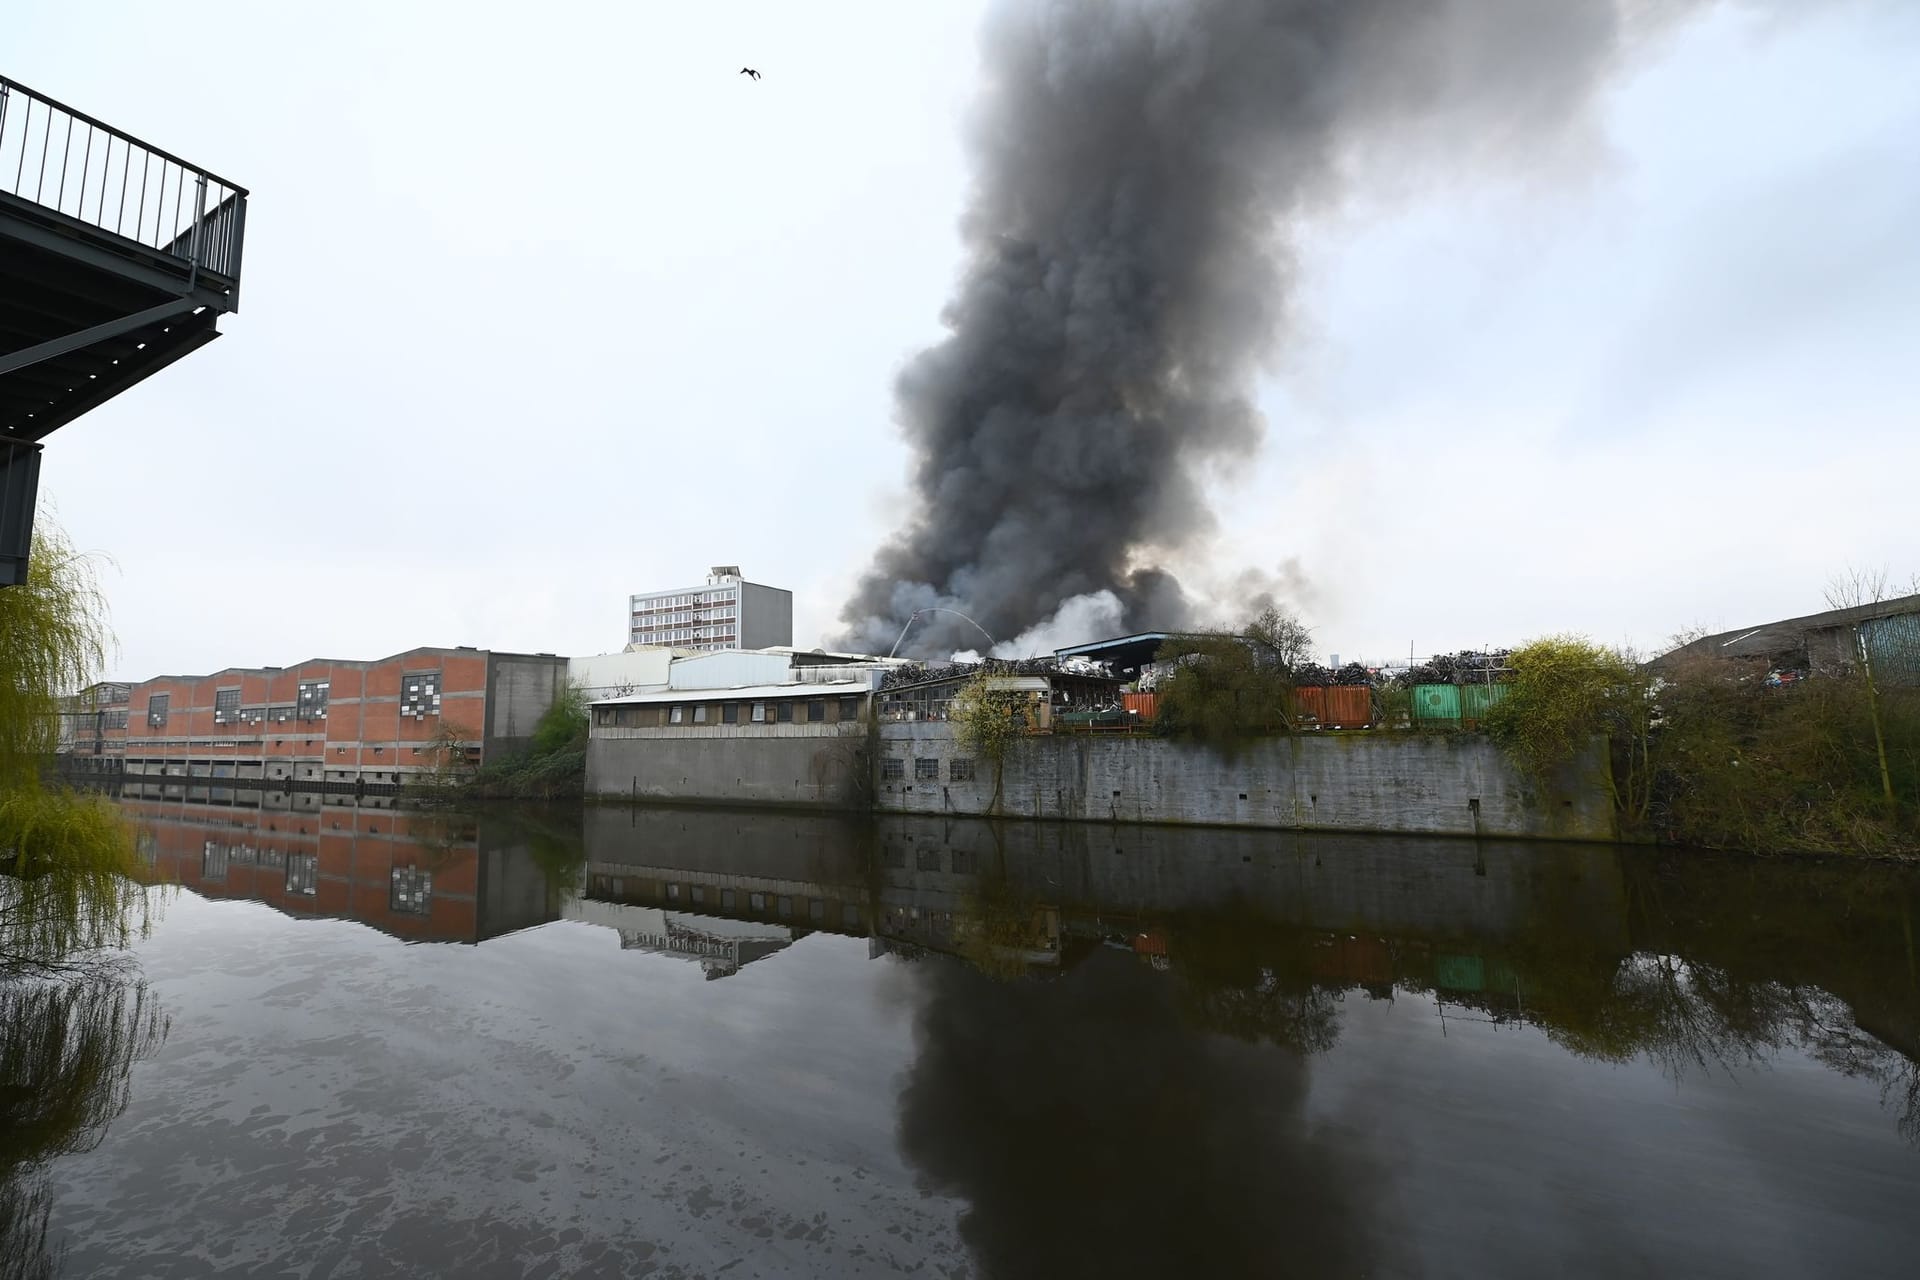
1097	615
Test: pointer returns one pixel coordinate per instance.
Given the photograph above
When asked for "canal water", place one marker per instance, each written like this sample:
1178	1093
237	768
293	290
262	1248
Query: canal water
368	1042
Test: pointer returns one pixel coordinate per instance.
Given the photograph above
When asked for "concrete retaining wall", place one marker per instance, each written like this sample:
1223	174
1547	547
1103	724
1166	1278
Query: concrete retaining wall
815	765
1451	784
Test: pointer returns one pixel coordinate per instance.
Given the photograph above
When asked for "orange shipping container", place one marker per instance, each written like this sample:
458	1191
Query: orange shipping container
1309	706
1144	706
1349	706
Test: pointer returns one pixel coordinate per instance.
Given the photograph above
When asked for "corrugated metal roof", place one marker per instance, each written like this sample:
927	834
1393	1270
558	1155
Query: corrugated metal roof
1772	638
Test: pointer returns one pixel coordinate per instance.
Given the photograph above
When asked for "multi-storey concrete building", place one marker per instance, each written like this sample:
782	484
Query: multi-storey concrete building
322	720
727	613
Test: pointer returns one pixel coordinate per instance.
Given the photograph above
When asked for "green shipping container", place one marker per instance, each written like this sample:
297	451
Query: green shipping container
1436	702
1459	973
1477	699
1893	646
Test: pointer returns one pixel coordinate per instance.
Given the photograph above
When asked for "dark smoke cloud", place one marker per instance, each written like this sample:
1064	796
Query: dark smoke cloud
1141	165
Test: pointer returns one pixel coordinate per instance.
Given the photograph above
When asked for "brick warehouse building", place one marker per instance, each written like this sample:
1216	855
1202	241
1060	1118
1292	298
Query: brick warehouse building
321	721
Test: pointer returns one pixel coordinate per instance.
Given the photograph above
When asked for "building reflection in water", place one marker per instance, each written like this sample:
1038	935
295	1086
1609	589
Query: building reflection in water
1687	960
419	875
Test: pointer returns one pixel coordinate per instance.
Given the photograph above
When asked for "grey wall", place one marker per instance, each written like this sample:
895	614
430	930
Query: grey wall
520	688
766	616
1441	784
1393	884
817	765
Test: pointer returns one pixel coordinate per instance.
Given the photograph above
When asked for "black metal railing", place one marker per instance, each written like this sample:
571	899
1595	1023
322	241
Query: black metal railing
68	162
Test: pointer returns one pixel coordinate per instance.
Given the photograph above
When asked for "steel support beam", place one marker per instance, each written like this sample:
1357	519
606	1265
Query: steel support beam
97	333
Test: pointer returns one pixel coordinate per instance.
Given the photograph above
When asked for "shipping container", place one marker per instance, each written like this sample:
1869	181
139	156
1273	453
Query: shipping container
1893	648
1459	973
1309	706
1477	699
1349	706
1144	706
1436	702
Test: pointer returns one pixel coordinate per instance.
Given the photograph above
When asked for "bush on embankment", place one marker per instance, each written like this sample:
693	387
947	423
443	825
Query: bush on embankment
1708	752
553	766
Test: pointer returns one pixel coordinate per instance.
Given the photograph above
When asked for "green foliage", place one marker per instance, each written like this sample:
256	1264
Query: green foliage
564	725
990	722
1564	692
1230	688
69	859
1741	765
1707	753
53	642
553	767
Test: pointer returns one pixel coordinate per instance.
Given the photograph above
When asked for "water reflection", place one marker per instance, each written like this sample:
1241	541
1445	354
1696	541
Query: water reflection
1689	961
421	875
66	1050
827	1046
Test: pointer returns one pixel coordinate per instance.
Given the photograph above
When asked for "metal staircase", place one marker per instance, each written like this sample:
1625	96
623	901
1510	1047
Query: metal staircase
116	259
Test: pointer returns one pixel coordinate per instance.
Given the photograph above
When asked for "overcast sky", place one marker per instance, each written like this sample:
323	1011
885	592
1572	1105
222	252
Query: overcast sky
543	306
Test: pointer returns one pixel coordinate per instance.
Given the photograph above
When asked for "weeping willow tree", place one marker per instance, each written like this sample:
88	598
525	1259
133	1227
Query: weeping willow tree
69	874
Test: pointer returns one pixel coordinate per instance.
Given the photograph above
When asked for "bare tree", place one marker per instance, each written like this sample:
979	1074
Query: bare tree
1846	590
1286	640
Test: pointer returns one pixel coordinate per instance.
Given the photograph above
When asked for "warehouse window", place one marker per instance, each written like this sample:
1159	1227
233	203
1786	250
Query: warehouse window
700	714
892	768
312	701
960	769
157	711
759	713
849	709
303	874
816	710
420	694
730	713
411	890
786	713
677	715
226	706
926	769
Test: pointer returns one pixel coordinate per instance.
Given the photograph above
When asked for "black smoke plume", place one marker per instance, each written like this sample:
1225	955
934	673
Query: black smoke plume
1142	168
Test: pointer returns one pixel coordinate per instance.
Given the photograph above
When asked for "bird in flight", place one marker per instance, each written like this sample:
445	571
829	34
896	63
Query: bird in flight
749	71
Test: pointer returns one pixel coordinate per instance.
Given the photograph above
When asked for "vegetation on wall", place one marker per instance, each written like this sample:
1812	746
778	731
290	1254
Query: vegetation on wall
553	766
1709	751
1228	688
990	723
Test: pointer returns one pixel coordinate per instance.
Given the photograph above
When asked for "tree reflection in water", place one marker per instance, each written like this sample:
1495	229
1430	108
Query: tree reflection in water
67	1047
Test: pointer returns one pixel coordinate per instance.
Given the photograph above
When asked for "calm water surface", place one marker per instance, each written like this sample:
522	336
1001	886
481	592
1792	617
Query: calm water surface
373	1043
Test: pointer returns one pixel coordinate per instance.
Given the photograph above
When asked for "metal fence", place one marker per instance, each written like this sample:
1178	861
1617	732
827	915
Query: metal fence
69	163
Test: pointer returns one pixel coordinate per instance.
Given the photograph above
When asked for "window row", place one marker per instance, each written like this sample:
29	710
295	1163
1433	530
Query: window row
837	710
926	769
708	598
311	705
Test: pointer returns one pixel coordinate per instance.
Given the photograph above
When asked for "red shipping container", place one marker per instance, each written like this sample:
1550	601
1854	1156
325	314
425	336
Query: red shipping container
1143	706
1309	706
1349	706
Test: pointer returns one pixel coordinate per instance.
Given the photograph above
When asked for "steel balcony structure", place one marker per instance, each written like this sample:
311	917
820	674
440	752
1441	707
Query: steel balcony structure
116	259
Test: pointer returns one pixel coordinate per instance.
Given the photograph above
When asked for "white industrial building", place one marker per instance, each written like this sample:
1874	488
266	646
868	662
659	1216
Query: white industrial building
726	612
